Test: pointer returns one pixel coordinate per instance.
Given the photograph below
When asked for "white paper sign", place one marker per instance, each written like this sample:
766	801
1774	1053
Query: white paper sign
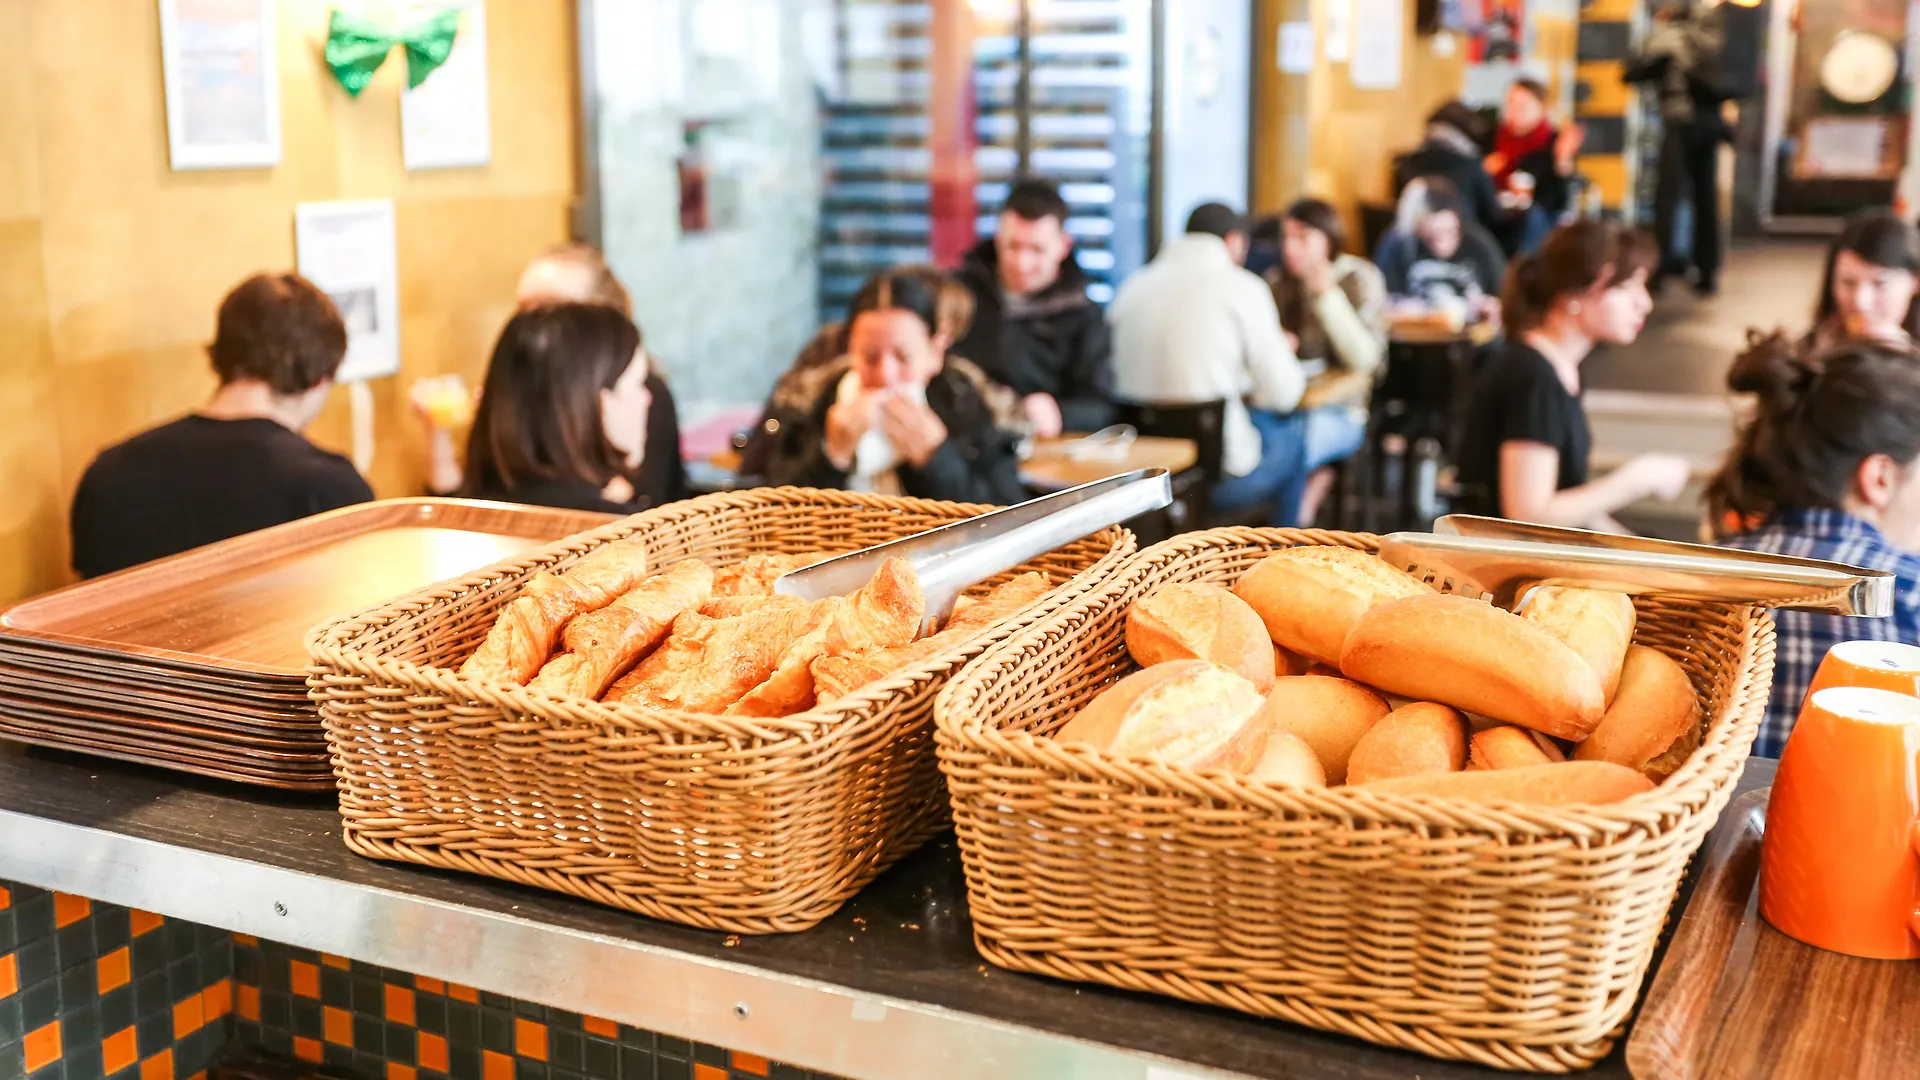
219	61
347	249
444	122
1339	31
1377	32
1844	146
1295	55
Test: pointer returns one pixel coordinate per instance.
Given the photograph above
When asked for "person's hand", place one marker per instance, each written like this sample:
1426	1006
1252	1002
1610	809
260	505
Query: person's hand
1566	146
1663	476
912	428
847	424
1496	163
1317	277
1293	341
443	402
1043	412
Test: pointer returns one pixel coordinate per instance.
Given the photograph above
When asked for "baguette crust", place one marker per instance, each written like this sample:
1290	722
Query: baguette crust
1509	747
1309	597
1596	624
1655	711
1414	740
1560	784
1288	760
1197	621
1184	712
1328	713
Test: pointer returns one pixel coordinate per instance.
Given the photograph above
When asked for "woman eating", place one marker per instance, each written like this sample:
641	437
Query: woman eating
1871	280
1526	447
1530	165
1829	466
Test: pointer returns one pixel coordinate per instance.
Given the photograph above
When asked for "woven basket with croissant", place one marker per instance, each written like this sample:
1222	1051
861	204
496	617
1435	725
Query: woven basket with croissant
471	730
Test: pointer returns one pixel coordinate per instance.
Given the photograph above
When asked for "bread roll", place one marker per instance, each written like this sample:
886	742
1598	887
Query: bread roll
1413	740
1328	714
1288	760
1596	624
1668	763
1560	784
1509	747
1287	663
1476	658
1655	709
1309	597
1197	621
1183	712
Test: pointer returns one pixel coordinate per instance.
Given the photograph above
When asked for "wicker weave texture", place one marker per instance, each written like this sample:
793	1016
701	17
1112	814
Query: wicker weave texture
1509	935
728	823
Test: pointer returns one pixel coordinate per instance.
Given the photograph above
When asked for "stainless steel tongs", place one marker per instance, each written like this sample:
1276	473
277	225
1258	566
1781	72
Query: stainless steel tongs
953	558
1490	558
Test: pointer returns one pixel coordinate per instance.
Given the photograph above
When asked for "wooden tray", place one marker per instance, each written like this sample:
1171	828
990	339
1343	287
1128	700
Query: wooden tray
124	670
244	605
211	763
292	718
1737	998
207	733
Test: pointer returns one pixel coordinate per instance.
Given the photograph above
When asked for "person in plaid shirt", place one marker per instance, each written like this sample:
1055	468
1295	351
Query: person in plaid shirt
1826	469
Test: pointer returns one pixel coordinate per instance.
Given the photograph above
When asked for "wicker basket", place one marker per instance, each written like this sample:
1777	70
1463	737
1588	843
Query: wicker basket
729	823
1513	936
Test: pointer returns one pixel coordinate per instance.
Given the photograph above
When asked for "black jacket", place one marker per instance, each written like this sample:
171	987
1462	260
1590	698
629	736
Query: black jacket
1057	343
977	463
1464	171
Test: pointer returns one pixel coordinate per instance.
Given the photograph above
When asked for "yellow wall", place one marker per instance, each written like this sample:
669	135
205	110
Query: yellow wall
111	265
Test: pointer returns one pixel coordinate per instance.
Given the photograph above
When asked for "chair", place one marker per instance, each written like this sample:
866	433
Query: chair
1203	423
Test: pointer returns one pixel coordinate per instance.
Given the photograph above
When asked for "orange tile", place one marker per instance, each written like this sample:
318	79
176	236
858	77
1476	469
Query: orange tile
529	1039
399	1005
158	1067
218	999
606	1029
6	899
116	968
333	961
337	1024
307	1050
709	1072
144	921
69	909
43	1046
430	986
245	939
749	1063
463	993
118	1050
397	1071
247	1003
495	1066
431	1052
9	975
189	1016
306	979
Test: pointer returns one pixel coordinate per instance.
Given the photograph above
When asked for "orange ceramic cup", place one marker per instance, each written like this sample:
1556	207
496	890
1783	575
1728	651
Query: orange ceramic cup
1840	859
1883	665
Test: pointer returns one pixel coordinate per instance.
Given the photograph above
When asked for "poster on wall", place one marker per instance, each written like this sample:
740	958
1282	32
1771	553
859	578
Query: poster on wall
218	64
444	123
347	249
1378	29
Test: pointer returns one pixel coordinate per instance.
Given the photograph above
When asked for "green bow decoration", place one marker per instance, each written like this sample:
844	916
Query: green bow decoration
356	47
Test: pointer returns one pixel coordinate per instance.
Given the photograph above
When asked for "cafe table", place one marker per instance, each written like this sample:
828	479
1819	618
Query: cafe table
1054	465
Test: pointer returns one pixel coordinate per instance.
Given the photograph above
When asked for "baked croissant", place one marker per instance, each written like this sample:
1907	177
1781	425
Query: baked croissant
728	607
707	664
755	575
837	676
602	645
883	613
523	636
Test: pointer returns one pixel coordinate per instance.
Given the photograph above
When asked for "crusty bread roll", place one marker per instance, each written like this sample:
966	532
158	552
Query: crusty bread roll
1509	747
1559	784
1197	621
1183	712
1309	597
1329	714
1288	760
1669	762
1413	740
1596	624
1655	709
1287	662
1476	658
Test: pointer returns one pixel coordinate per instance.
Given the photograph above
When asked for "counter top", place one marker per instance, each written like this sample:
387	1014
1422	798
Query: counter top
890	988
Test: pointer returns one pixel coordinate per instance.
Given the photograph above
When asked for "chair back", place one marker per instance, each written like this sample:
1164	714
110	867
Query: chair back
1203	422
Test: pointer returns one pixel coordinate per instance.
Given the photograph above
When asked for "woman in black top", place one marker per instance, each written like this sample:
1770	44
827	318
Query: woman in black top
1524	455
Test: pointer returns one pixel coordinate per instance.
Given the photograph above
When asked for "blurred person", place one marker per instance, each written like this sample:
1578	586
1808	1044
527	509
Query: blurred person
896	415
1437	258
1871	282
1828	466
1525	450
1452	150
1333	309
1530	166
1194	326
1034	329
239	463
1680	60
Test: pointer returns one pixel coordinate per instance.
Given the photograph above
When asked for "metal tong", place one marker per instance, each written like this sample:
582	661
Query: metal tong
953	558
1490	558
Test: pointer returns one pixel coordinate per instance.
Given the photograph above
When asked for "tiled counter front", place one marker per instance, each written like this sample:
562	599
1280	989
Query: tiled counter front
91	991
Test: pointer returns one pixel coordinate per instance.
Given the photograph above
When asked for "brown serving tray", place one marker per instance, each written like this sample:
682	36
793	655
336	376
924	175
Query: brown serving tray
217	768
245	605
1737	998
291	717
124	670
142	725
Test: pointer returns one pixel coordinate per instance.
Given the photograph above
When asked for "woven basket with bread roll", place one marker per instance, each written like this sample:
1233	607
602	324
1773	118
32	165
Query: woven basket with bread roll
1400	830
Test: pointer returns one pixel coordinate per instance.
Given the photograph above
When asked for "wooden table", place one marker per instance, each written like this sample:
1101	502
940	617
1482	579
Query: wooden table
1050	469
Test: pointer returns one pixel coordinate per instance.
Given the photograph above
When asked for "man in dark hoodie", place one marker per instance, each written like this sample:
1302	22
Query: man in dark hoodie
1034	329
1450	150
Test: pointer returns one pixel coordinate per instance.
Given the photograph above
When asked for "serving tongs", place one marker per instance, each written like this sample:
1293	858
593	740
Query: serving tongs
952	558
1498	560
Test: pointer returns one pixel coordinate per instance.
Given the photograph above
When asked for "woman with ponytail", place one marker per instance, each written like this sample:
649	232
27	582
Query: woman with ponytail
1524	455
1829	468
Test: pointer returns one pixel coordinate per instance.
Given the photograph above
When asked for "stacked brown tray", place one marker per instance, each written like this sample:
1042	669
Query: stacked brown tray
197	662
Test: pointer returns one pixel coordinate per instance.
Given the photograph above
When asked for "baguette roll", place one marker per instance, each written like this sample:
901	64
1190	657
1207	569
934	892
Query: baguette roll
1478	659
1596	624
1183	712
1309	597
1329	714
1197	621
1560	784
1413	740
1509	747
1288	760
1655	711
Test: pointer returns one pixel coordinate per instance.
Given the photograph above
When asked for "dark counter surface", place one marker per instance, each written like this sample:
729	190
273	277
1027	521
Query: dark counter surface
888	988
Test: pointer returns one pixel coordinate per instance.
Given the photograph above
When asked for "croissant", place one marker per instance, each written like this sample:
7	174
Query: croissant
523	636
756	574
837	676
604	644
884	613
707	664
727	607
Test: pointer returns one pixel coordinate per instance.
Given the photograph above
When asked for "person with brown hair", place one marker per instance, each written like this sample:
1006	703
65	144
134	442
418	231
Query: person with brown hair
1828	466
1524	454
1871	285
1452	150
239	463
1531	164
1436	256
